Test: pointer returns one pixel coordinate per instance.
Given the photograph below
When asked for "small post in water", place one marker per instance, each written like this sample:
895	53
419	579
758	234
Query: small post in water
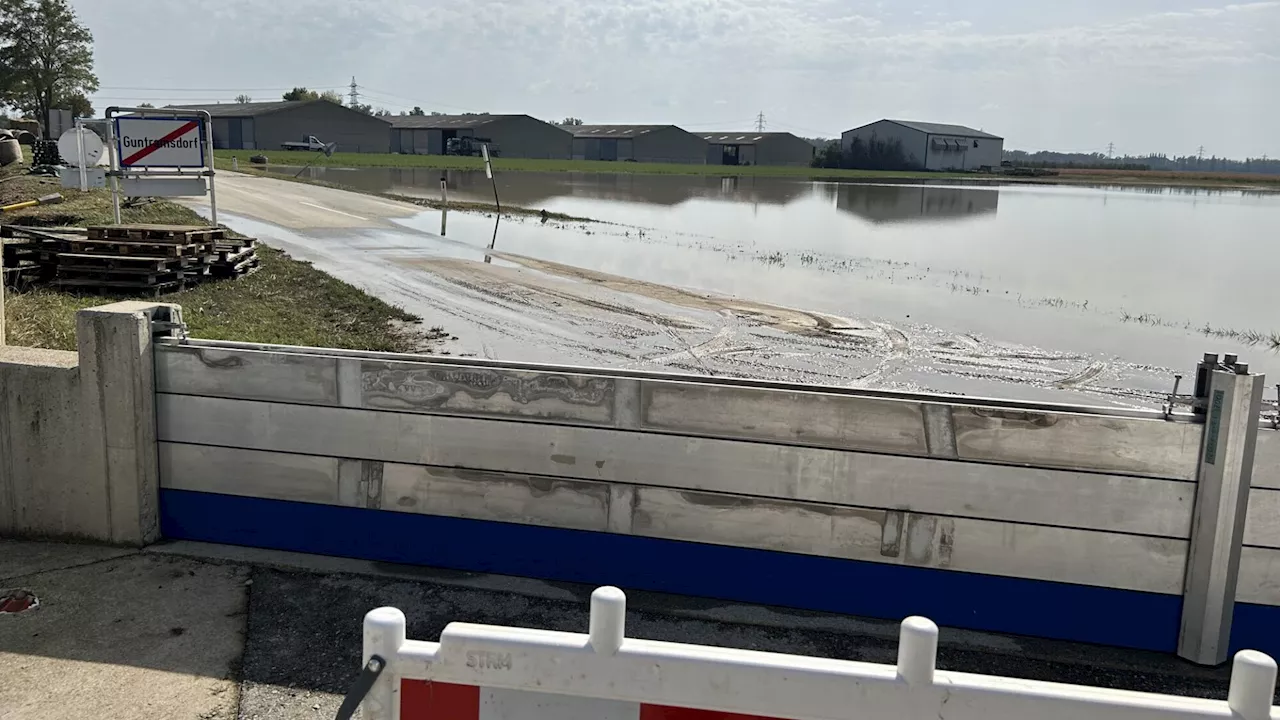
488	171
444	198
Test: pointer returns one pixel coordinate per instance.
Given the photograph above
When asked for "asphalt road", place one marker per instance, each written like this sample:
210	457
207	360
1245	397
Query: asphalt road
301	206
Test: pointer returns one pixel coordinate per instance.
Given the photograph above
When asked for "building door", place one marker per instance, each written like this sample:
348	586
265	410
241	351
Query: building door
729	155
609	149
235	136
246	134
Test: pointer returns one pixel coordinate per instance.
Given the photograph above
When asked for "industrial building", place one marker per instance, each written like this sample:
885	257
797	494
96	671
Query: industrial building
758	148
513	136
266	125
638	143
933	146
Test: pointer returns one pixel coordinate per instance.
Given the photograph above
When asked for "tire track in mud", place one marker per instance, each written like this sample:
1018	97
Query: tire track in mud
629	319
892	363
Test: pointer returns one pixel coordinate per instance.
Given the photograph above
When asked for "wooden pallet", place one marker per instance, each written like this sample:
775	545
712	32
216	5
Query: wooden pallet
94	246
234	255
239	269
120	287
166	233
125	263
40	233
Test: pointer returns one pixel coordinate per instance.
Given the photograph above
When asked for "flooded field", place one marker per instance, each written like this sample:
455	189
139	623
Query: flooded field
1041	292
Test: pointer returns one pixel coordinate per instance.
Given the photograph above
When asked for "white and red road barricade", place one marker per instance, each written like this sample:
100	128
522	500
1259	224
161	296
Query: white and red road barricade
483	672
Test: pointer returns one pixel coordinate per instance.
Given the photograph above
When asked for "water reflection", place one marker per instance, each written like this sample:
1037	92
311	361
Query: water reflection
534	190
900	203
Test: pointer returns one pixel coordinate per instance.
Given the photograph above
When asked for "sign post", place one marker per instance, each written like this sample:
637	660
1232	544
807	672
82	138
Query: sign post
161	153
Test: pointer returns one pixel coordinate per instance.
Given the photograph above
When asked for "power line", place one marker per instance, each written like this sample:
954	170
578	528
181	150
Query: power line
202	89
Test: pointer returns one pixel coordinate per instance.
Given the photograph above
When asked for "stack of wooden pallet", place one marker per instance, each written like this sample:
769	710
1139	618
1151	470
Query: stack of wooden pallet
129	259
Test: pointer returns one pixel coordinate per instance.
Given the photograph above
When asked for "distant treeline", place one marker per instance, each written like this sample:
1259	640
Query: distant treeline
869	155
1099	161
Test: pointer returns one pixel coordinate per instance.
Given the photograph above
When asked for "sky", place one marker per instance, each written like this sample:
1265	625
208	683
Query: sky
1163	76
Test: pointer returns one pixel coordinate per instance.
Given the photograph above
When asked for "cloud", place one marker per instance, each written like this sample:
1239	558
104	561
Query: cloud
831	64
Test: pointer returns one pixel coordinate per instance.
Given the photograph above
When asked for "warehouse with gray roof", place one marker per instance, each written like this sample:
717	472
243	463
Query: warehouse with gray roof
933	146
512	136
758	148
267	125
638	143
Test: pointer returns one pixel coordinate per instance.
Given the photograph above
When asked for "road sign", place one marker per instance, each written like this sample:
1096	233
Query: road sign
133	186
144	142
70	146
92	178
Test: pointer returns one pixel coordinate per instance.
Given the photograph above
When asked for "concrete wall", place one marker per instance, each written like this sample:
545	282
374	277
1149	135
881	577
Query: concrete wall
914	143
353	131
784	149
521	136
77	432
670	145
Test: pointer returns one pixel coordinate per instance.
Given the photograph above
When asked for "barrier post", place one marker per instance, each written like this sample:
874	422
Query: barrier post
1253	685
384	633
917	651
1233	400
607	627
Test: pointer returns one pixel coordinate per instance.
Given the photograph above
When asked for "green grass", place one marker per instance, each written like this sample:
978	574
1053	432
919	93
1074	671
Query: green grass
287	301
450	162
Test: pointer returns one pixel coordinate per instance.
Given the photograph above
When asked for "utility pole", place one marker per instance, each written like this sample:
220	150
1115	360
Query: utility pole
1200	156
1111	150
355	92
760	122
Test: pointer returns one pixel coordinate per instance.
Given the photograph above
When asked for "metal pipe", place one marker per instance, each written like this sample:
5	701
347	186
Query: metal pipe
207	127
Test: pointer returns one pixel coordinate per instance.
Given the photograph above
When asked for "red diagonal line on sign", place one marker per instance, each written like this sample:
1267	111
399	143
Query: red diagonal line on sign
186	128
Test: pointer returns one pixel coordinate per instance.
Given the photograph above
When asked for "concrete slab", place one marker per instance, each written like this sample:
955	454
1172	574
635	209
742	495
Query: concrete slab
18	558
134	636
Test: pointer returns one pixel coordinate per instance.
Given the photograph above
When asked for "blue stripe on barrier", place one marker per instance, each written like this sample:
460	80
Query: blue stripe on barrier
1256	627
955	599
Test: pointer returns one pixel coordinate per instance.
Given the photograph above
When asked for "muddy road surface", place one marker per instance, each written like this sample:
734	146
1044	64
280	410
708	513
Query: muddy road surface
533	302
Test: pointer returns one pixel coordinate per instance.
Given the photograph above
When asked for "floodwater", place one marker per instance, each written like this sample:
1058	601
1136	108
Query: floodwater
1036	291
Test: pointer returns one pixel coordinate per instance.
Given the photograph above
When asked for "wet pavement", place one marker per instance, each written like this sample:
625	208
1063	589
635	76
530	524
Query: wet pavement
902	308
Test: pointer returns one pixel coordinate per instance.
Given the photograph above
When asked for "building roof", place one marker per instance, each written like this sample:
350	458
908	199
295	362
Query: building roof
615	131
735	137
444	122
249	109
930	128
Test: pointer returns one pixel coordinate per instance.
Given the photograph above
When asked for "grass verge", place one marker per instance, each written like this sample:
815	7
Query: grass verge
450	162
287	301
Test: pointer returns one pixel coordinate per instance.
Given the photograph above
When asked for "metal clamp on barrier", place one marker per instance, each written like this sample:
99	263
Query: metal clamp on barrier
499	673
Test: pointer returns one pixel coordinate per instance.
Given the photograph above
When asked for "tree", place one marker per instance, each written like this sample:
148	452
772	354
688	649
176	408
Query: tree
571	121
242	98
46	57
382	112
417	111
77	103
145	105
301	93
